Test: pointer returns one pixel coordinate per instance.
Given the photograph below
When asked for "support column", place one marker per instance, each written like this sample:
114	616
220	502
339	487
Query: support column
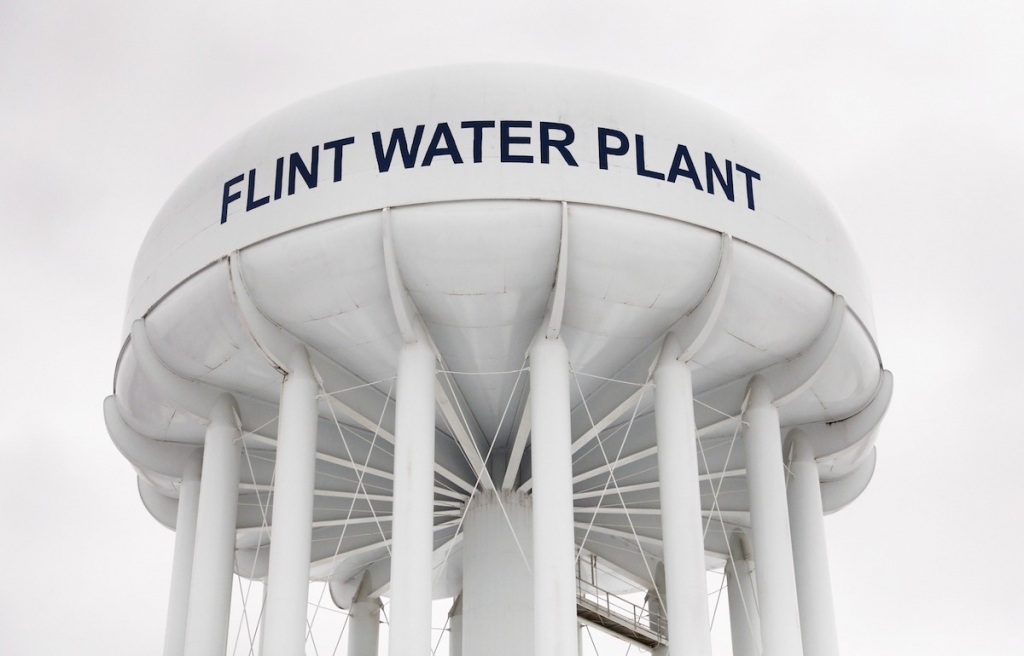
681	526
655	597
769	518
363	627
413	529
291	528
810	553
554	540
497	587
184	548
455	627
263	614
209	602
744	621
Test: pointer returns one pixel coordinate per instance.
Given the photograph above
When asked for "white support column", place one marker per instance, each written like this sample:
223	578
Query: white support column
554	542
655	597
413	535
363	627
455	628
810	553
262	616
184	548
497	587
682	530
744	621
769	518
284	623
209	603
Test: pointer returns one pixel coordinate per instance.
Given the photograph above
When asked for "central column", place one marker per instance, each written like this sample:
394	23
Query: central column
291	528
681	526
363	627
769	519
554	540
413	528
209	602
497	587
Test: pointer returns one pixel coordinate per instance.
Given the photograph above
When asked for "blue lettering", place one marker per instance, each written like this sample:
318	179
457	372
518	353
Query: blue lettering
250	203
562	145
337	147
278	178
478	137
507	140
229	197
641	165
434	149
309	175
604	150
397	137
713	170
683	155
750	176
513	135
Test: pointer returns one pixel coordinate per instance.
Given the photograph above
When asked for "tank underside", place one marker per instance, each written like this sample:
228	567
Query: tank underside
483	276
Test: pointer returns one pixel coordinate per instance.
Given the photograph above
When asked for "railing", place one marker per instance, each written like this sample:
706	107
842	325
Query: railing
620	610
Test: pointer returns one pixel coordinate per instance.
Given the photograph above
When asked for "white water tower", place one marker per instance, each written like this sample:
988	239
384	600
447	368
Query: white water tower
525	337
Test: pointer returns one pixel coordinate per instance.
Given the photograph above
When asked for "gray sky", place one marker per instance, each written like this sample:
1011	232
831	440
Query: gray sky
908	114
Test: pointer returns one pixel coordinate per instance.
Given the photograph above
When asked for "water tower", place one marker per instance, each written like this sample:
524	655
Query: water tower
525	337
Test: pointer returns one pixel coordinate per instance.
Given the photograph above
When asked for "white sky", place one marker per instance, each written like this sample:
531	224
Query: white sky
909	115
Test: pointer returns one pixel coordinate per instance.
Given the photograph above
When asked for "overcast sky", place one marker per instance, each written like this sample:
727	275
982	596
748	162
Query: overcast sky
910	115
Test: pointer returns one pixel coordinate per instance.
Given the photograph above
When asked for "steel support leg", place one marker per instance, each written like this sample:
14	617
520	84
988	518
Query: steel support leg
455	628
413	531
284	623
682	530
769	517
209	603
744	621
658	618
554	544
184	548
810	554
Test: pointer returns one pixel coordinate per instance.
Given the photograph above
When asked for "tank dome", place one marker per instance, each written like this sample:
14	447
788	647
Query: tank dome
490	132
